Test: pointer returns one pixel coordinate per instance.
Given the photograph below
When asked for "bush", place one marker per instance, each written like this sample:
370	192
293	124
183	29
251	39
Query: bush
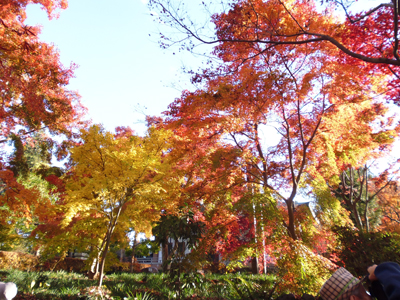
18	261
358	250
120	267
66	264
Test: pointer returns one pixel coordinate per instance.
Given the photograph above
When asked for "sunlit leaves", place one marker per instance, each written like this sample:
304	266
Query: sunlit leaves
116	182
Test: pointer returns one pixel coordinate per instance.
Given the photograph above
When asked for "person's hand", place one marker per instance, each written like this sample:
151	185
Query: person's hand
371	271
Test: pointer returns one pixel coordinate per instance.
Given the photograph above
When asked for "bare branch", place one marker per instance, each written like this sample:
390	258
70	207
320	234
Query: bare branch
368	13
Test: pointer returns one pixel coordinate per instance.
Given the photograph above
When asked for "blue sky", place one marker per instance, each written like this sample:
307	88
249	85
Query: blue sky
121	67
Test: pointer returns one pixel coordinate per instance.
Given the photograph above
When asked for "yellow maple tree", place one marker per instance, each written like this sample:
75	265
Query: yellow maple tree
116	181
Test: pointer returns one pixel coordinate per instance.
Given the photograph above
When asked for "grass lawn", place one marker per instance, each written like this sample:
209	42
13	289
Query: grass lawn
65	285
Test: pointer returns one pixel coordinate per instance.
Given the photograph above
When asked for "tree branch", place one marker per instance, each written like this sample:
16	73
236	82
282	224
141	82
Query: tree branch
370	12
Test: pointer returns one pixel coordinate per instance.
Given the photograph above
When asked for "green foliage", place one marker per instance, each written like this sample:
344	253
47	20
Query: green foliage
359	250
181	227
31	164
179	281
145	248
68	285
357	192
243	288
139	296
39	282
46	285
9	239
33	156
329	209
23	226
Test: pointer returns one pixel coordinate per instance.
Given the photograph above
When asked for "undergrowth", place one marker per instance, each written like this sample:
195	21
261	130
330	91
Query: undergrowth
67	286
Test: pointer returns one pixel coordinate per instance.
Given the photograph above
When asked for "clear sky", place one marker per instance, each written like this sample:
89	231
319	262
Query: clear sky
120	64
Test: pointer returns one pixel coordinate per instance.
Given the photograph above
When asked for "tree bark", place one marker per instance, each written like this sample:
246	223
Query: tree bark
103	262
110	230
133	252
254	265
165	256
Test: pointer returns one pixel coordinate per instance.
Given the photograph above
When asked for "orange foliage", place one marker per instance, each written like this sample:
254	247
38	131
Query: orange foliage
15	197
283	111
389	201
33	79
34	95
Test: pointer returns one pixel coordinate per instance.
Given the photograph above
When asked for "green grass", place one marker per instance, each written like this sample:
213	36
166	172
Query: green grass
68	286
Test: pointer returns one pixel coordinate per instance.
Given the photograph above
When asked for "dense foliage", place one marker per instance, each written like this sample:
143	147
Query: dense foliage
68	286
358	250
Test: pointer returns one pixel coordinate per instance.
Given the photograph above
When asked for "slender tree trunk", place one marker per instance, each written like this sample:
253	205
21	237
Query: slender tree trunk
291	227
254	265
165	256
121	258
94	268
103	262
357	217
110	231
367	199
366	217
133	252
263	244
254	260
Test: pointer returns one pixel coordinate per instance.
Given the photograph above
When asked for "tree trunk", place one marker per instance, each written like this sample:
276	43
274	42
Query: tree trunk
133	252
366	216
165	257
110	230
291	227
254	265
357	217
103	261
254	260
121	258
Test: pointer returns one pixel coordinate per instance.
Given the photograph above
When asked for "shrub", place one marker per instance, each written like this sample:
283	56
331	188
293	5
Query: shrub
119	267
359	250
18	261
69	264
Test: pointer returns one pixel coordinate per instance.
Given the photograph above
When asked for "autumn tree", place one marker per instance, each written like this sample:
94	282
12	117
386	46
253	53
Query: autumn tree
16	204
360	192
30	164
368	38
389	202
34	96
271	121
312	125
33	85
115	181
296	96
